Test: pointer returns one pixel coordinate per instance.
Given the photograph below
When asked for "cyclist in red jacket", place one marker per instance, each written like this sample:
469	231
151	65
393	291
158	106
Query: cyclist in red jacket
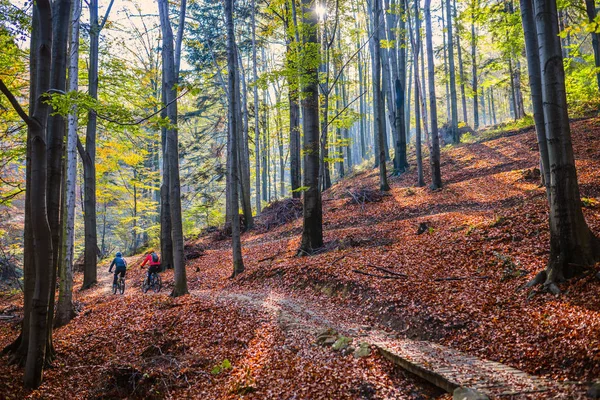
153	263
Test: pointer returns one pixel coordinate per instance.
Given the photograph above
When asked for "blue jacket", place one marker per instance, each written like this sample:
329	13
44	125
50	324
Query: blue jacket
119	262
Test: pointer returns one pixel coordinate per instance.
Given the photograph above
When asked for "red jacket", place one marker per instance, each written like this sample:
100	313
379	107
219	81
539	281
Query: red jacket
148	260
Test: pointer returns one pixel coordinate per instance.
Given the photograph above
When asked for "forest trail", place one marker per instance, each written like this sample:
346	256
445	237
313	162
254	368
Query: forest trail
439	365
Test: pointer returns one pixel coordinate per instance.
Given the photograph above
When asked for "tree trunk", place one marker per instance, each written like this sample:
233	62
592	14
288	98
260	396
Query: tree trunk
89	160
401	163
378	111
590	8
42	235
233	141
518	91
493	107
172	151
474	65
244	156
257	114
461	71
572	244
455	133
512	89
312	230
166	241
434	157
361	85
416	39
65	311
446	80
535	84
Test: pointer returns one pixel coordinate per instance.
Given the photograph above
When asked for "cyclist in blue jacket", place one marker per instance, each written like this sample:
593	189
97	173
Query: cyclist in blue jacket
120	266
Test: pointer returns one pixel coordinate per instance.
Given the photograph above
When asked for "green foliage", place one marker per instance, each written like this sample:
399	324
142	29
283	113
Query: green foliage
219	368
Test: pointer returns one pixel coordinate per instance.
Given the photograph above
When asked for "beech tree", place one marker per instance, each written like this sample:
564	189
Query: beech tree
171	158
312	228
573	246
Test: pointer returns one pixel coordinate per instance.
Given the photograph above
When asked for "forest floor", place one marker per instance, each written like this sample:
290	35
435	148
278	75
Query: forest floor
456	284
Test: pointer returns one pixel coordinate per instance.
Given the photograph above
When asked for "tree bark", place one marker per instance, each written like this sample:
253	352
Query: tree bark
170	79
474	65
590	8
42	235
434	157
416	50
455	133
312	230
65	311
378	105
257	115
461	71
572	244
89	160
233	141
244	152
535	84
401	163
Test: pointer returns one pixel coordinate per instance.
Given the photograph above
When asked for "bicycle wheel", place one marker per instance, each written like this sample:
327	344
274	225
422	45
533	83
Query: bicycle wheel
145	285
157	283
114	288
122	286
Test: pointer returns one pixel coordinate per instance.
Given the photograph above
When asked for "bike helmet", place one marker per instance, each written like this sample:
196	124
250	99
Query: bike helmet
119	254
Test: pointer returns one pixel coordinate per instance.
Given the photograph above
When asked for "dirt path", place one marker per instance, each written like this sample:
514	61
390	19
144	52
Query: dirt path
444	367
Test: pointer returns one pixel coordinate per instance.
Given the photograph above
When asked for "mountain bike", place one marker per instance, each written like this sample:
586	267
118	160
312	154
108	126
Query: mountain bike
154	284
119	286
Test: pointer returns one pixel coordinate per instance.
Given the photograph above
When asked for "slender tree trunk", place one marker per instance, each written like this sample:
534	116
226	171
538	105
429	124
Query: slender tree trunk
89	160
474	65
172	151
378	97
461	71
234	131
65	311
535	84
348	141
512	89
434	157
416	40
244	156
257	114
401	164
518	91
446	79
483	114
361	86
312	230
590	8
295	164
454	108
493	107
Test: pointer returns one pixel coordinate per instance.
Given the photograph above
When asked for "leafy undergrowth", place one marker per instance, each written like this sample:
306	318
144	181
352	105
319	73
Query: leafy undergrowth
439	265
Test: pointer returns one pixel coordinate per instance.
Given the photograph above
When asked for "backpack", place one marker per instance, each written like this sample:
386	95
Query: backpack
120	262
154	257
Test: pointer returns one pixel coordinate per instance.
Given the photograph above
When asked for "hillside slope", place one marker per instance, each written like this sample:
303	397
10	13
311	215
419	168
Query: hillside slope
455	283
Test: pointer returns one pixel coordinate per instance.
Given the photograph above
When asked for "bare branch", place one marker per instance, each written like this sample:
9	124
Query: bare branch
13	101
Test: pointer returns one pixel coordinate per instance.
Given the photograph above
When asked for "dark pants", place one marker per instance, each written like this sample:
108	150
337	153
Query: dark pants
117	272
152	269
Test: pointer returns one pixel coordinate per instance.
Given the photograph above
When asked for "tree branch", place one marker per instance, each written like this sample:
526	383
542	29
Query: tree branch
345	108
143	119
13	101
106	15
